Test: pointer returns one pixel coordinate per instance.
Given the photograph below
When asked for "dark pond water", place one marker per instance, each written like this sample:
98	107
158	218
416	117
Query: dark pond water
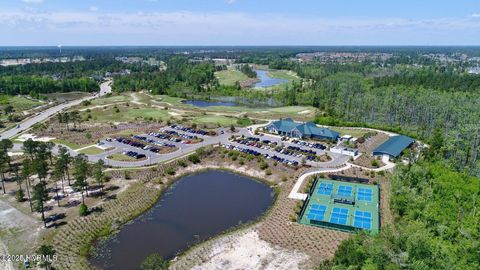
204	103
267	81
195	208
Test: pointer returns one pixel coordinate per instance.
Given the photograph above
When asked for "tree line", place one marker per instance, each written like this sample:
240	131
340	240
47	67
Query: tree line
247	70
34	85
180	73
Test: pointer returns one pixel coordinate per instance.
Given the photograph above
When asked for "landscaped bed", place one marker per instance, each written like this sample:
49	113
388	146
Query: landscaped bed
123	157
369	161
92	150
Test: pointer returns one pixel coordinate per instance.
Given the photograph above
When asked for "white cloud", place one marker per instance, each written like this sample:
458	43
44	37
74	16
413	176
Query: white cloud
476	15
230	1
93	8
33	1
187	28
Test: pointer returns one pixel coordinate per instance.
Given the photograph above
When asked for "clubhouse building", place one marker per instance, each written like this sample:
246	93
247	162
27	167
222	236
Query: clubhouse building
288	127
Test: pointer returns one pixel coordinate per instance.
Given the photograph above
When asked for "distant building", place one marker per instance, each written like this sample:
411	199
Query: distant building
394	146
290	128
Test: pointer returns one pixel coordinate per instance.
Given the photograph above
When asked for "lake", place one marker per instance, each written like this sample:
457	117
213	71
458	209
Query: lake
267	81
204	103
193	209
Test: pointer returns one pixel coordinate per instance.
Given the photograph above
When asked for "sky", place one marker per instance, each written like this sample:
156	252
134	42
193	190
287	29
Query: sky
239	22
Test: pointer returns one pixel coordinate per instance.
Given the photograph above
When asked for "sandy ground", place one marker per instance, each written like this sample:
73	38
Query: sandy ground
18	232
248	251
4	264
25	137
305	112
174	113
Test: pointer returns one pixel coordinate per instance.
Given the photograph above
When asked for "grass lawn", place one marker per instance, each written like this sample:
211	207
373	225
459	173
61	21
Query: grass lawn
130	113
69	144
93	150
223	121
122	157
283	74
229	77
66	96
111	99
291	109
19	103
355	132
170	100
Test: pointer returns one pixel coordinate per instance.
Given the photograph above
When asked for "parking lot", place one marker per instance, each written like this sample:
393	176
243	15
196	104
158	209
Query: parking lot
174	141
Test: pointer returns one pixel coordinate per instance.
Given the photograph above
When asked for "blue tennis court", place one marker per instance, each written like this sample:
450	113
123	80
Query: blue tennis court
339	215
345	191
364	194
362	220
316	212
325	189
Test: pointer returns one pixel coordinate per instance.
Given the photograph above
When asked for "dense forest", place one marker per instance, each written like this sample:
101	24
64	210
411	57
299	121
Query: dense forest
34	85
88	67
436	225
181	75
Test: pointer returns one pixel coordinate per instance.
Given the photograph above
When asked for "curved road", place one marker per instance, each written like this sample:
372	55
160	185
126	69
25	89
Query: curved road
105	88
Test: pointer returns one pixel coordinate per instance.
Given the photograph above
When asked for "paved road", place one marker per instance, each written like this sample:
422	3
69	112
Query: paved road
26	124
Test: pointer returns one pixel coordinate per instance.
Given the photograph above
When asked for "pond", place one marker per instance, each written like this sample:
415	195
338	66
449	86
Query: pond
195	208
204	103
267	81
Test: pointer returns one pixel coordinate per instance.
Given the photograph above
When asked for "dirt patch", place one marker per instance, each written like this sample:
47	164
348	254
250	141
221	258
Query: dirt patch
372	142
97	131
305	112
18	231
245	250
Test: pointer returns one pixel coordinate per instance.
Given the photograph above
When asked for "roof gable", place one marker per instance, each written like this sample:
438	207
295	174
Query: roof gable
309	128
394	146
